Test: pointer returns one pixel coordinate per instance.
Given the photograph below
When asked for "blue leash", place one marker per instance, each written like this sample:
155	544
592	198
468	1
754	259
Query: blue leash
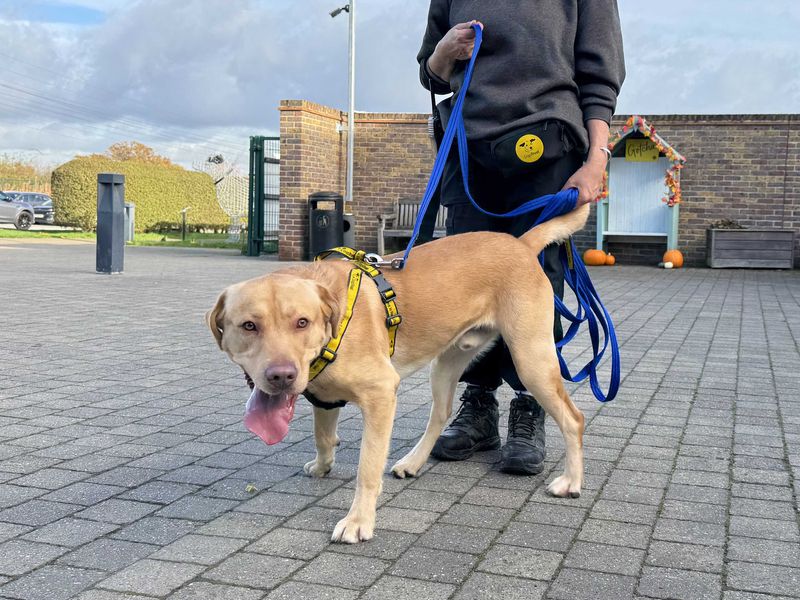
590	308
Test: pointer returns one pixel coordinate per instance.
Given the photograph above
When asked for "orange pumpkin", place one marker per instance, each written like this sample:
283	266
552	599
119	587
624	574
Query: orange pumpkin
610	260
594	257
675	257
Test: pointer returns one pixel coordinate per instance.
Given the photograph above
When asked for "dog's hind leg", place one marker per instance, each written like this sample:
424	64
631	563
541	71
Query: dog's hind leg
535	359
326	441
445	371
377	404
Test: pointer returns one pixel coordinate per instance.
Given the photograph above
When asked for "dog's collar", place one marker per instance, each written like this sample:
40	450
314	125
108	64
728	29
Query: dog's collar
362	267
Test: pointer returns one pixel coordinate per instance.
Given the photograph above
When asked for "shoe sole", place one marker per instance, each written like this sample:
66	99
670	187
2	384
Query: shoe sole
517	466
490	444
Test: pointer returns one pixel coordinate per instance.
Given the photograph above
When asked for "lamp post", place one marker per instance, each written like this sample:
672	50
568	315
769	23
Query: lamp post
350	9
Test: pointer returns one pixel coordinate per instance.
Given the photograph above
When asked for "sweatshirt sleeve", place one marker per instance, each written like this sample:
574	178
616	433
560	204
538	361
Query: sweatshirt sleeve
438	25
599	59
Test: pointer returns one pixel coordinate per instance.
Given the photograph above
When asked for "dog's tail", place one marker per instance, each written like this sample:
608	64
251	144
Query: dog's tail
556	229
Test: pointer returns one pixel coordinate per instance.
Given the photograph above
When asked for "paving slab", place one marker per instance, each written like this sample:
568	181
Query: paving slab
125	470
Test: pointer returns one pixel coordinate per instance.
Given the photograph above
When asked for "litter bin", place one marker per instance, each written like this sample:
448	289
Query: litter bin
349	230
130	221
325	222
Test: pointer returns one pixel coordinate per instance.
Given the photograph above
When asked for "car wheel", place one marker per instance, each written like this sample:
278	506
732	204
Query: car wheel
24	221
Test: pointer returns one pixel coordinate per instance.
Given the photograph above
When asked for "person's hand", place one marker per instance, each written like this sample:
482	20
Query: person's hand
457	44
588	179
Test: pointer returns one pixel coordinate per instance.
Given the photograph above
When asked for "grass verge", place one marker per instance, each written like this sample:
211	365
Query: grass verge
43	235
193	240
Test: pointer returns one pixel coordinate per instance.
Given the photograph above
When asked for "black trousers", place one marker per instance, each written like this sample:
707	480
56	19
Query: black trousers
500	193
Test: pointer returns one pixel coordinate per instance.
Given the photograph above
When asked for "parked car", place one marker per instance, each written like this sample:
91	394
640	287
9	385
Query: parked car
15	211
42	204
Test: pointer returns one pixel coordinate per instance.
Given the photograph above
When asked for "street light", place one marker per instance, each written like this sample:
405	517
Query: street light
350	9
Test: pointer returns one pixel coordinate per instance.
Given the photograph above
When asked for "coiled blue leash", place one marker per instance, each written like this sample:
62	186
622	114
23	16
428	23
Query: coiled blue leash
590	309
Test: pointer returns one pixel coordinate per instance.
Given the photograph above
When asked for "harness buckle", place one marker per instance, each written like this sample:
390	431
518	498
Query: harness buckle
393	321
385	290
327	355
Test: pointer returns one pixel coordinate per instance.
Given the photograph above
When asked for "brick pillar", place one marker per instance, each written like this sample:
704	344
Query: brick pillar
313	155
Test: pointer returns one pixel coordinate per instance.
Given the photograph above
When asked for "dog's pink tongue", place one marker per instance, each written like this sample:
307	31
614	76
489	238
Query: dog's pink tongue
268	416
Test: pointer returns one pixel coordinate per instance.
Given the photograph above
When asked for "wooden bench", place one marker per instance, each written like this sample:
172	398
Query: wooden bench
400	223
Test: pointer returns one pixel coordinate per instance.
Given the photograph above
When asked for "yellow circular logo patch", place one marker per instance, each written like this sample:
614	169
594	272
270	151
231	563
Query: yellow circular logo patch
529	148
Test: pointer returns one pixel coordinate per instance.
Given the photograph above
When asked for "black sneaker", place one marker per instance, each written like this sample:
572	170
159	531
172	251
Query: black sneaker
473	429
524	452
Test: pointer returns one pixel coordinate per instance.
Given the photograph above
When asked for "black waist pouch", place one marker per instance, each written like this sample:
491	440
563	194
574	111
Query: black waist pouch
441	115
530	148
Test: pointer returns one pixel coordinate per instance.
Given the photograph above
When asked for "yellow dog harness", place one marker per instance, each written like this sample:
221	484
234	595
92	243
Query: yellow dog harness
393	318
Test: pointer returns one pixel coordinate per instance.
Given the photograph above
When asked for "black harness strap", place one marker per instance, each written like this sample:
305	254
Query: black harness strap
320	404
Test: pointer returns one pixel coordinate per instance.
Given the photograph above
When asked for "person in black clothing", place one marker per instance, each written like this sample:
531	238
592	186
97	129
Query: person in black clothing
537	117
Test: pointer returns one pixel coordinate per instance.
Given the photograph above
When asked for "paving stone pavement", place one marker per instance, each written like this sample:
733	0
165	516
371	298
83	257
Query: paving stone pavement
125	471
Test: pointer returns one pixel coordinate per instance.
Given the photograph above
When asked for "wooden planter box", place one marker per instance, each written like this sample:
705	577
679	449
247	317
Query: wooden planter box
750	248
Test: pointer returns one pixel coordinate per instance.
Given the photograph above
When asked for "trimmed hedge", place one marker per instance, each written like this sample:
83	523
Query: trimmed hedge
159	193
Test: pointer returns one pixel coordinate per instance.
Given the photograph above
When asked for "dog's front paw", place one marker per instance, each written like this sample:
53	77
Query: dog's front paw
564	487
317	468
405	468
351	530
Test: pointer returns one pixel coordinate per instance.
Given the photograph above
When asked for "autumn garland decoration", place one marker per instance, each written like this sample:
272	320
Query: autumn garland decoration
672	176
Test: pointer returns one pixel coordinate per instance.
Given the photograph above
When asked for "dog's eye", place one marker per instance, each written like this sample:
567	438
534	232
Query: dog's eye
302	323
249	326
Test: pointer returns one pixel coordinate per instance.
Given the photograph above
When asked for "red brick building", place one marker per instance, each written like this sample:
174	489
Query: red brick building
740	167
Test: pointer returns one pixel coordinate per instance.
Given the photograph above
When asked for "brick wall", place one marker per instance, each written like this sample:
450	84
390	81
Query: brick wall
392	157
741	167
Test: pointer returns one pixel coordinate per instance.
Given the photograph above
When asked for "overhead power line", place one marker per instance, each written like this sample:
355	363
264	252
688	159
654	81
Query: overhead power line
120	128
110	94
44	102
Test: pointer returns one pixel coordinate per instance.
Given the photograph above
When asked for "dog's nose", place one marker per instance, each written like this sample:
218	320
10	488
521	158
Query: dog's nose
281	376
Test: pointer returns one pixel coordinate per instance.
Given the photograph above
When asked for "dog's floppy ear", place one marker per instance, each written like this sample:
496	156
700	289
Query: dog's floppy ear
214	319
331	308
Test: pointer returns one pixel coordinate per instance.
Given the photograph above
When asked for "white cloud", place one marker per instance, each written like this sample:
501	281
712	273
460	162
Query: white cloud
193	76
736	56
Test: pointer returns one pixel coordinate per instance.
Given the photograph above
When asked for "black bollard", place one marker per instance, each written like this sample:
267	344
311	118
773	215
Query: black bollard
110	222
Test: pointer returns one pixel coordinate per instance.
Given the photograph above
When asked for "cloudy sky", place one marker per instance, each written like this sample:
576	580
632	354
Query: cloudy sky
196	77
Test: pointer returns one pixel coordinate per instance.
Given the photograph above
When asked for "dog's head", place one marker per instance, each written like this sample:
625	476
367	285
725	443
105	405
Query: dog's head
273	327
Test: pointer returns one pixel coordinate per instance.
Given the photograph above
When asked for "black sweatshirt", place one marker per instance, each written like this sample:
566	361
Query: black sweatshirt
539	60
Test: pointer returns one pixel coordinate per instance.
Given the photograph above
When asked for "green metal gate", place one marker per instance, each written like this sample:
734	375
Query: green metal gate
263	195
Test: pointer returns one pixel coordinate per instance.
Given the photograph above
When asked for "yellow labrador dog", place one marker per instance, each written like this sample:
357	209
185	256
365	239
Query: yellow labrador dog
274	326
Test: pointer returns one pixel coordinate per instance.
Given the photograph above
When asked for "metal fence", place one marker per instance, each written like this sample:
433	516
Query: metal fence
40	184
263	216
272	165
